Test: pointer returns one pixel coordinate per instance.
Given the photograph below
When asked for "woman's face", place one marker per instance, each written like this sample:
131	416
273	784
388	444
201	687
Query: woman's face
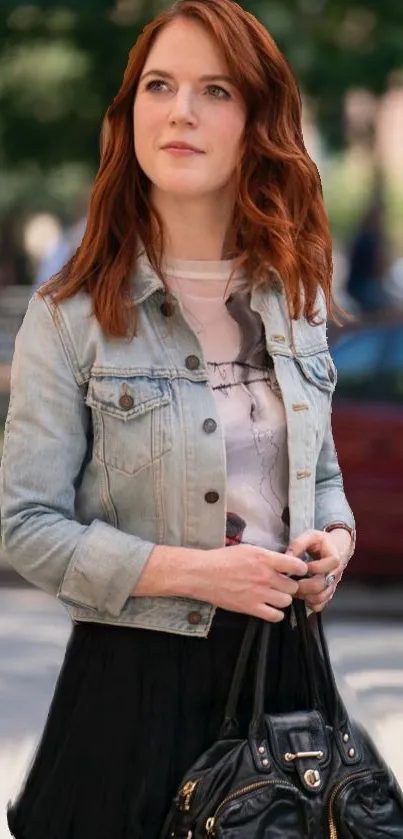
185	96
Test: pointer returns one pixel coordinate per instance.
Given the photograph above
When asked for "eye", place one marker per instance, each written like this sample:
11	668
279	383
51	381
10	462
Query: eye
218	92
157	86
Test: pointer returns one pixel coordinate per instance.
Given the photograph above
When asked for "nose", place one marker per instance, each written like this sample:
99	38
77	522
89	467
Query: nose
182	110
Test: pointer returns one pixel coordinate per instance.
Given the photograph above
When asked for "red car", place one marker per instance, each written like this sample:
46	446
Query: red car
368	431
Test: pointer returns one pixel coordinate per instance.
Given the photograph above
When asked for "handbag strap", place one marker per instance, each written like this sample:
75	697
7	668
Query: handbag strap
311	674
334	703
261	628
230	723
260	676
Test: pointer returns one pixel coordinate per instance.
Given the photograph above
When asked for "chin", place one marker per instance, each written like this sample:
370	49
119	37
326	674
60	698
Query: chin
184	189
190	194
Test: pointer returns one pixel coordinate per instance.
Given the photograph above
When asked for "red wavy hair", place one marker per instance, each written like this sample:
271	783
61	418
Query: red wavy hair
279	216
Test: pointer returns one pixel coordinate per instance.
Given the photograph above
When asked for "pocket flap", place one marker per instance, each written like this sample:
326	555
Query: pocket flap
126	398
368	807
319	370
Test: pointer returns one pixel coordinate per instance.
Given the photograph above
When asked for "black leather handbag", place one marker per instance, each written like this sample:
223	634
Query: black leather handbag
307	774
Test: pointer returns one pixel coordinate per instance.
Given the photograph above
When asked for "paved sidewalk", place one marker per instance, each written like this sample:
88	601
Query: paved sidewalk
8	577
358	600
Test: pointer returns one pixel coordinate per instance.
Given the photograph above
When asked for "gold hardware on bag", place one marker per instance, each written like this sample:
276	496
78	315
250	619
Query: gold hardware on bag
300	755
185	796
210	823
210	827
312	778
332	825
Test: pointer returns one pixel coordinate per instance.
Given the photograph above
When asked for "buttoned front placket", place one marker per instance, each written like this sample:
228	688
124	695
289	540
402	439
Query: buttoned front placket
280	345
205	502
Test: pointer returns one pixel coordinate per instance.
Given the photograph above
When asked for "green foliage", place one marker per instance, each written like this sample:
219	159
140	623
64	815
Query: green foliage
61	63
334	45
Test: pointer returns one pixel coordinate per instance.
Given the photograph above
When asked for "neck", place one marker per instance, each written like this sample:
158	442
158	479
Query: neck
196	228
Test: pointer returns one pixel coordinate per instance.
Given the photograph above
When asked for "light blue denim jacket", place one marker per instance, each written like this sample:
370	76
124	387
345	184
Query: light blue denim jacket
106	453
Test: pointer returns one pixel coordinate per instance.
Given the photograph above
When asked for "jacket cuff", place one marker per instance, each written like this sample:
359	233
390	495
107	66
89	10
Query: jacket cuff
104	569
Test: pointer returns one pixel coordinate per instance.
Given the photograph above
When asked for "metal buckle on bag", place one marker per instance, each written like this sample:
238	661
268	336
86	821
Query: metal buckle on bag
301	755
312	778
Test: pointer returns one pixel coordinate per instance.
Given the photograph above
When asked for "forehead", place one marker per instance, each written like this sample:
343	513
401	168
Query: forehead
186	46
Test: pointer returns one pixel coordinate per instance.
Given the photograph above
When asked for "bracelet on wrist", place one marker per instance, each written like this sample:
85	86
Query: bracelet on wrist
341	525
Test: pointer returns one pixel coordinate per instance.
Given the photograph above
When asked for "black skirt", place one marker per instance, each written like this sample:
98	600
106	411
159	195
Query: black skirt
132	710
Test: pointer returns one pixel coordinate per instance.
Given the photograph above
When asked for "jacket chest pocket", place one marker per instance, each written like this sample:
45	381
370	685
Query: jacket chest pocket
132	421
318	370
316	376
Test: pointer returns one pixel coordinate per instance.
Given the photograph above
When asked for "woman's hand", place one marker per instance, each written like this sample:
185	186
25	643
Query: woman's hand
249	579
240	578
330	554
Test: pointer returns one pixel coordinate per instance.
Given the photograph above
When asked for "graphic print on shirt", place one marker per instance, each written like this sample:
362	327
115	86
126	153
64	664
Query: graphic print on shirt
234	530
216	305
246	388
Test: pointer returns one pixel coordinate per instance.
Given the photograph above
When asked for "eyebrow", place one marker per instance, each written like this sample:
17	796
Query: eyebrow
208	78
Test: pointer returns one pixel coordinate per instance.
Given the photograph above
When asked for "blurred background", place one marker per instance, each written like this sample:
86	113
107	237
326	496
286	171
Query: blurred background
61	63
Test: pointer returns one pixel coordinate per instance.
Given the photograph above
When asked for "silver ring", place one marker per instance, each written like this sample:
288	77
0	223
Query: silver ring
329	580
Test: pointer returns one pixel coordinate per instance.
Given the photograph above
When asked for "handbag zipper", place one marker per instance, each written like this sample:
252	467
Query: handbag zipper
210	823
185	795
332	825
189	788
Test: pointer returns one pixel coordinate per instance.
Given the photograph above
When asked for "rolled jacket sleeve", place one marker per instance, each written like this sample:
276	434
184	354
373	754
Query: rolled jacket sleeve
45	445
331	504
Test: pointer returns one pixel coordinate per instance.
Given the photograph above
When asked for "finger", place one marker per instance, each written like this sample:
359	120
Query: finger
325	565
311	587
309	540
282	583
278	599
320	603
319	607
267	613
287	564
323	597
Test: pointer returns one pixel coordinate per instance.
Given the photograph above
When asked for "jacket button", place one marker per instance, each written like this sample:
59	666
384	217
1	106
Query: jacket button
211	497
209	426
331	373
194	618
192	362
126	402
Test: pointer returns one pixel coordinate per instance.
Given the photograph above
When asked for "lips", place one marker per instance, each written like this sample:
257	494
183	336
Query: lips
179	146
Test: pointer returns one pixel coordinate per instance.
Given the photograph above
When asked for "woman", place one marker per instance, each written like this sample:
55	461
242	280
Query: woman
174	377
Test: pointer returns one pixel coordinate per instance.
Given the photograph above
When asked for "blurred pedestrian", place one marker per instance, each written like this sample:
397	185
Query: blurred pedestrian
60	253
367	265
160	388
66	244
394	284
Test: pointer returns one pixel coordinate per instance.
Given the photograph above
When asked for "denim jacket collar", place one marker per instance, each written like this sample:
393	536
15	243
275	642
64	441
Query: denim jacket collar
145	281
